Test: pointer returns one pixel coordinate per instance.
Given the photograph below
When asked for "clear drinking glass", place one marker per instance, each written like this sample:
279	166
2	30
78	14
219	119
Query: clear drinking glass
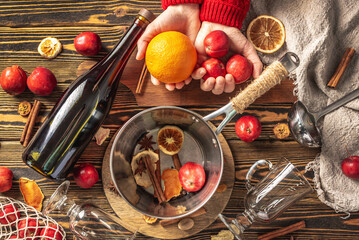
87	221
265	201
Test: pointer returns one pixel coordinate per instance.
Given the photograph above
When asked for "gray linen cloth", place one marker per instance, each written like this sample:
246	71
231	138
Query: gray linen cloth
319	31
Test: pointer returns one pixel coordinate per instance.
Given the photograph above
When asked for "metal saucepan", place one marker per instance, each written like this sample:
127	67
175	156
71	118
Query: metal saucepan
200	145
303	124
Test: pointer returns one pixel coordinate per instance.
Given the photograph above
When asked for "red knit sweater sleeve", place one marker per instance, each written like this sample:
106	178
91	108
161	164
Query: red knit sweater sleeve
166	3
227	12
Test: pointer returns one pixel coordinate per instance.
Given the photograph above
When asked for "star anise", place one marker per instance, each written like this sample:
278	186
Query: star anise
113	189
146	143
141	167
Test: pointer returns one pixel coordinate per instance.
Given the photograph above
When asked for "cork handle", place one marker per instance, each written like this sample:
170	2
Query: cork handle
270	77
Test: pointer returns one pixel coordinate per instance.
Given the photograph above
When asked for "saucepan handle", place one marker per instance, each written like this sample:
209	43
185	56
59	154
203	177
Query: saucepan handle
270	77
257	165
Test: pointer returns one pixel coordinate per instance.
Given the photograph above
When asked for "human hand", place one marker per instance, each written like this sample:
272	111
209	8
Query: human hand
183	18
238	44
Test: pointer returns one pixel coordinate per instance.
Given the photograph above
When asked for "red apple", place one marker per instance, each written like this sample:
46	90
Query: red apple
214	68
6	176
192	176
350	167
240	68
87	43
216	44
248	128
13	80
85	175
42	81
51	232
9	214
28	228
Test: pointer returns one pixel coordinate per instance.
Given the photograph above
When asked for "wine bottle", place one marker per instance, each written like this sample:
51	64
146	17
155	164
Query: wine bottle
76	117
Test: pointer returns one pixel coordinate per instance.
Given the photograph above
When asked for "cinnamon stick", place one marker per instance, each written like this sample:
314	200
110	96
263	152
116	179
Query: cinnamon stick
158	167
156	185
22	139
282	231
344	62
32	123
199	212
141	79
176	162
158	170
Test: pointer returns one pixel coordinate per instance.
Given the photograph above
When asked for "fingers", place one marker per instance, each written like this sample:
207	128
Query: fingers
179	85
219	85
251	54
155	81
150	32
208	85
257	68
230	84
199	73
170	86
241	45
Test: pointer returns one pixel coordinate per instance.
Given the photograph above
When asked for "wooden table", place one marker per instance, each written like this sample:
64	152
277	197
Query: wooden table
22	26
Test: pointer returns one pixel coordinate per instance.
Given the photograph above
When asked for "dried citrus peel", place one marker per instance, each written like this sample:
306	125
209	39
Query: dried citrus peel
32	193
149	220
101	135
172	184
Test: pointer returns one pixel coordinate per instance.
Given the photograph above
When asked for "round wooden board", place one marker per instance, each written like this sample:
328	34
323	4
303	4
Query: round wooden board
133	220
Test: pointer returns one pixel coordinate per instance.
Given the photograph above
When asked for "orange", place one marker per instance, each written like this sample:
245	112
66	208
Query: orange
266	33
171	57
170	139
49	47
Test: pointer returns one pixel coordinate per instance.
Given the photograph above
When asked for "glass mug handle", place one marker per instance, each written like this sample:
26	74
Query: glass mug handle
257	165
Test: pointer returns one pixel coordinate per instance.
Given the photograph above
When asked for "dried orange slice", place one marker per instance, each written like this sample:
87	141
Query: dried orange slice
266	33
170	139
49	47
139	169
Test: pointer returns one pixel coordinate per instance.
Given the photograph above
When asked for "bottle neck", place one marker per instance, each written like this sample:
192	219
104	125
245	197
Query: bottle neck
115	61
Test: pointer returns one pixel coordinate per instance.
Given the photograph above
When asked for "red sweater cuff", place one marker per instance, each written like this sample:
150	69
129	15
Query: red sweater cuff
230	13
166	3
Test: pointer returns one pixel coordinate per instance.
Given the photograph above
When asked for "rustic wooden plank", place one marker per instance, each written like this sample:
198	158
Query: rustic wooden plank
319	217
72	13
22	26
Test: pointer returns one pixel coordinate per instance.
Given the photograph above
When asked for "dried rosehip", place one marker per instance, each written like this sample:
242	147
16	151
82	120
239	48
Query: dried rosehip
281	130
24	108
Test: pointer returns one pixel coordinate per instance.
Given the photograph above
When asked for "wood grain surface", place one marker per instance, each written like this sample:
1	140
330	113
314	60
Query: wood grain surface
22	26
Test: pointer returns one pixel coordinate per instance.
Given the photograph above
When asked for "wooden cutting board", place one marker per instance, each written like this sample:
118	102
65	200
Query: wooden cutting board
190	95
133	220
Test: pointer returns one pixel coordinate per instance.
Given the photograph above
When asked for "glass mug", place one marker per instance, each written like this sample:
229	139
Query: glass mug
264	202
86	221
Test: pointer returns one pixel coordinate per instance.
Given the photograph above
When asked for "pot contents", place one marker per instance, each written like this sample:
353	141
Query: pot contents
158	168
